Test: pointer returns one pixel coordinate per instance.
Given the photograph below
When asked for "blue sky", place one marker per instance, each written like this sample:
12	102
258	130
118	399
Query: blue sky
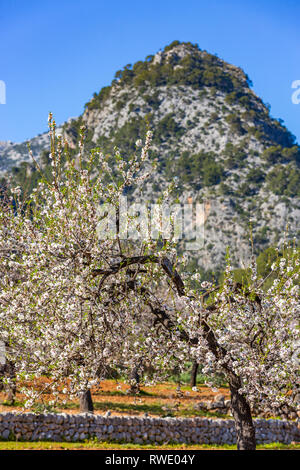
55	54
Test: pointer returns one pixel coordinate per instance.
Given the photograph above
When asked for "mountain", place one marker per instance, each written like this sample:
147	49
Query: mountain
212	133
13	154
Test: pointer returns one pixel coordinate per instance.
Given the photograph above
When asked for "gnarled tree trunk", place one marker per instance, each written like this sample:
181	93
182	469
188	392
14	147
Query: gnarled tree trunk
241	412
7	370
86	402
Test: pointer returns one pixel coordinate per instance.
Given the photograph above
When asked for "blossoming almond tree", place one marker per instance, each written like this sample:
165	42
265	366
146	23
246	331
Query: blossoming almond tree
61	285
73	305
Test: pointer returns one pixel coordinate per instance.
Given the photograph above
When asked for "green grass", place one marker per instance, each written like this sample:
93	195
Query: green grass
8	403
184	378
88	445
156	408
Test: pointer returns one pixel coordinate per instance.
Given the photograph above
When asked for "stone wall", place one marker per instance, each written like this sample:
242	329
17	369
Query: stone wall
223	406
76	427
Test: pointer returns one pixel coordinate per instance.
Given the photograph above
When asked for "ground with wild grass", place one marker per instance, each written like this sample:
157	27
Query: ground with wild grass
160	400
94	445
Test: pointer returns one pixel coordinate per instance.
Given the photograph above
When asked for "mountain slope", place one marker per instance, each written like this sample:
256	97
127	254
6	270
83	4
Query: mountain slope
13	154
213	135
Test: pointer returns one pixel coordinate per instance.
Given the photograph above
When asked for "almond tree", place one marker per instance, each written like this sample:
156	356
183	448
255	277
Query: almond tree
74	304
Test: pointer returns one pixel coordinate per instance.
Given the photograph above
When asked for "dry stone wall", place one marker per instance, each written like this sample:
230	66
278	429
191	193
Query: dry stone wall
71	427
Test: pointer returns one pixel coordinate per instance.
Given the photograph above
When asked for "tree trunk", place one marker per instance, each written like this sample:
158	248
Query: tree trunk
241	412
194	374
8	370
135	381
86	402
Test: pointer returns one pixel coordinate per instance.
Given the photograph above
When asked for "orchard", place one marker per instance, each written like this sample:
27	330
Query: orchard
75	305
